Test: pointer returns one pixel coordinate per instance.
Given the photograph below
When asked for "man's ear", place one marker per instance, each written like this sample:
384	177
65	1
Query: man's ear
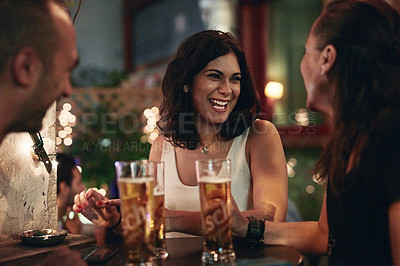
26	67
328	58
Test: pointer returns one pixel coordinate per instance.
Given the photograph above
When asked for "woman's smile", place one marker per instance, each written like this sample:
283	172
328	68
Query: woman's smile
219	105
216	89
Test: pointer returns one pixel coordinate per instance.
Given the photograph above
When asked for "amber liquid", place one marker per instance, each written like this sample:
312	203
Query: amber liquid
159	221
137	209
216	217
159	226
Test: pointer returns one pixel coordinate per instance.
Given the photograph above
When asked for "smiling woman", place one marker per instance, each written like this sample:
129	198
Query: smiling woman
208	112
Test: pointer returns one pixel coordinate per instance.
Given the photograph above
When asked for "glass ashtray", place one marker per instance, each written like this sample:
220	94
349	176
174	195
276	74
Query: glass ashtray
43	237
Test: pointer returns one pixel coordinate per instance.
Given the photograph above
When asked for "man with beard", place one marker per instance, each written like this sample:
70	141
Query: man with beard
37	54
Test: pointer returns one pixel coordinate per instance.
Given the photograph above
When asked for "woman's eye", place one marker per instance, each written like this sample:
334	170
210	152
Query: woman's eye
236	79
213	75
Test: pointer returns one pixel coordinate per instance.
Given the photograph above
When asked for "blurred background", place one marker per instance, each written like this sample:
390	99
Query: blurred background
124	47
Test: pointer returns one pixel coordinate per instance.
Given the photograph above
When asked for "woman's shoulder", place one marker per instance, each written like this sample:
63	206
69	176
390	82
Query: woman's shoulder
262	127
156	149
263	132
159	141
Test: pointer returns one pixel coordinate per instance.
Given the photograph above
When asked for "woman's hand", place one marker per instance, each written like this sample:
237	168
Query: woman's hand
183	221
239	222
190	222
97	208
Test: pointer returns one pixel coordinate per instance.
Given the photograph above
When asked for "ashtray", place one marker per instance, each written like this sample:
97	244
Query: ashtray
43	237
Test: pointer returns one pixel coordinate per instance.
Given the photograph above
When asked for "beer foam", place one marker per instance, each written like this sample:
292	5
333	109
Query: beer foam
158	193
136	180
214	180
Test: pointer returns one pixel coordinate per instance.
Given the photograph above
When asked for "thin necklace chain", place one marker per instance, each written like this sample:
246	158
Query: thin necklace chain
204	150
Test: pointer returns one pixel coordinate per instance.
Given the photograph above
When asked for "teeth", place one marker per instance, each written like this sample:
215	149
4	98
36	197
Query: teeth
219	102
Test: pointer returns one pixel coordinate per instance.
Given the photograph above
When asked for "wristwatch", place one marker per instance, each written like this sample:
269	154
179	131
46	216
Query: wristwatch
255	231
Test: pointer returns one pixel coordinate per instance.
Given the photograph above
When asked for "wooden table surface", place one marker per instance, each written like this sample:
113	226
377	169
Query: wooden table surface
182	251
187	252
15	253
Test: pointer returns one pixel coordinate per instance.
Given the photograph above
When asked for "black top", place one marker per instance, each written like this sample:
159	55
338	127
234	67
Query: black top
358	215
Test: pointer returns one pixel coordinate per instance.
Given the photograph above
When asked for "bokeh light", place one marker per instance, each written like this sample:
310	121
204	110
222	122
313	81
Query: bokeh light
302	117
274	90
67	121
151	130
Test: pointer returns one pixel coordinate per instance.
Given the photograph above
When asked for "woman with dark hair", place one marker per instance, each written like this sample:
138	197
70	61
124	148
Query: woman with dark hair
351	70
178	110
208	111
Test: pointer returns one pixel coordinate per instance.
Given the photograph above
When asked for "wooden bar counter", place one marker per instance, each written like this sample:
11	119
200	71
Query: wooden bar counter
182	251
15	253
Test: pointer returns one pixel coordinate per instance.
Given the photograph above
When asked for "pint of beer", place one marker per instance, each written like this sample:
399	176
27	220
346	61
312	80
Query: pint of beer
160	249
136	184
214	181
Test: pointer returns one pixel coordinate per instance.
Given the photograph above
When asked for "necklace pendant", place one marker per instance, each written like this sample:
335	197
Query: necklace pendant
204	150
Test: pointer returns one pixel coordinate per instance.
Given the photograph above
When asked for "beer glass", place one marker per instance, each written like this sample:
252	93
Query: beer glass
136	184
160	250
214	181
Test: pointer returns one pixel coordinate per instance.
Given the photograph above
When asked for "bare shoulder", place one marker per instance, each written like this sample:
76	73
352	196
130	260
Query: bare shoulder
263	134
263	129
156	149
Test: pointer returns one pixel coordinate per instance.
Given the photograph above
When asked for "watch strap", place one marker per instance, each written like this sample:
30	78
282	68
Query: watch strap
255	231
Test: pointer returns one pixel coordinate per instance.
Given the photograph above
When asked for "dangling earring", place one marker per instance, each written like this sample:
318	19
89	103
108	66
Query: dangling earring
185	89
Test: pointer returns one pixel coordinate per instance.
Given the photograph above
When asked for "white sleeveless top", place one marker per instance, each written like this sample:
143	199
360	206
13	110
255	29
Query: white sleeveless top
186	198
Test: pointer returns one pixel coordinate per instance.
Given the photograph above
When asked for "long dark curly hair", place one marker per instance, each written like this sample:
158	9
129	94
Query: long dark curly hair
177	113
365	77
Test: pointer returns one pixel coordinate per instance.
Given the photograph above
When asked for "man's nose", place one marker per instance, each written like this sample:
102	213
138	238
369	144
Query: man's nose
67	90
